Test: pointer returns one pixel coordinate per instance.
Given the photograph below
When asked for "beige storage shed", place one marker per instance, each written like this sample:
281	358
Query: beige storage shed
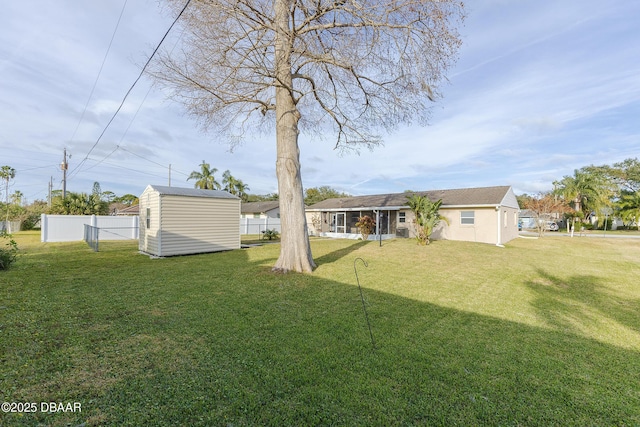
182	221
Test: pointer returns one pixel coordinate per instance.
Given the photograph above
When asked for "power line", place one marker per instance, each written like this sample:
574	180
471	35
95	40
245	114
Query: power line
95	83
77	168
150	161
115	165
124	134
38	167
103	159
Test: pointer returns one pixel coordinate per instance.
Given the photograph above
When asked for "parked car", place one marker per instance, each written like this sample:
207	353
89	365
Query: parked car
551	226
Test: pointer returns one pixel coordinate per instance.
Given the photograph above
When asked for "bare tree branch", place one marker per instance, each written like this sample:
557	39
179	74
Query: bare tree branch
373	65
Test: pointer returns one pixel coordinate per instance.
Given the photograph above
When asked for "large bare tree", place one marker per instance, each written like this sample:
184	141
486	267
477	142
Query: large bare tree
346	67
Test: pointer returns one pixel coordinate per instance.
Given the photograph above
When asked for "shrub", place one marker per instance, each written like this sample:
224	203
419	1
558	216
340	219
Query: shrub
366	224
270	234
8	252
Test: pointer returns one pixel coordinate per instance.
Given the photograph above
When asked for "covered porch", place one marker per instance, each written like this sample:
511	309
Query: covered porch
342	223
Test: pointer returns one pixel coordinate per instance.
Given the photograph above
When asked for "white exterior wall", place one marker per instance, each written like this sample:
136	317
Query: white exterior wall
273	213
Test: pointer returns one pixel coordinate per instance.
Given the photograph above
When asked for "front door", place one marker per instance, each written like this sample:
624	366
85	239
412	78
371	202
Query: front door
384	222
338	222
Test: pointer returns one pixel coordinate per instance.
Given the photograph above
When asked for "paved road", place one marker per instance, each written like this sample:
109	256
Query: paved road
599	234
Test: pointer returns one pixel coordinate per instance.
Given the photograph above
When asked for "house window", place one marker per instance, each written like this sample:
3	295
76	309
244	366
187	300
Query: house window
467	217
402	217
148	217
256	215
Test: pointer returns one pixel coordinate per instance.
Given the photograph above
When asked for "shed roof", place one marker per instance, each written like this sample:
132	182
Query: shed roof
259	207
191	192
482	196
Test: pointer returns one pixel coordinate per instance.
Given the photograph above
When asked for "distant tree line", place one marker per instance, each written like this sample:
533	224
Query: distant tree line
593	192
205	178
14	207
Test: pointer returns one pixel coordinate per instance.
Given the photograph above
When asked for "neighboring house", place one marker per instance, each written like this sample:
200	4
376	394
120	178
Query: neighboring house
270	209
488	215
527	219
180	221
128	210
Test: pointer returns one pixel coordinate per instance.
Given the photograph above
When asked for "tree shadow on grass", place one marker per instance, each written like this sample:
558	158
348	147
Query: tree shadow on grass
340	253
212	340
583	302
303	357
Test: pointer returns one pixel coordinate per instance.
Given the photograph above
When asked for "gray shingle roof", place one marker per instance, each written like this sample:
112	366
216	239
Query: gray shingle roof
457	197
192	192
259	207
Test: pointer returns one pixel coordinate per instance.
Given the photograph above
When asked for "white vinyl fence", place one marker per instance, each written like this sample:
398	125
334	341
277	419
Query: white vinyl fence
70	228
259	225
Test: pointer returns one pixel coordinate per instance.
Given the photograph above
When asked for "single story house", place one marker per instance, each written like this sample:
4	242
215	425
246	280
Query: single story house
527	219
181	221
487	215
128	210
268	209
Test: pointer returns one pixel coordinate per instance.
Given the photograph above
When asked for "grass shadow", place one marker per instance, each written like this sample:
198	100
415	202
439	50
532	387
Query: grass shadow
217	340
582	302
340	253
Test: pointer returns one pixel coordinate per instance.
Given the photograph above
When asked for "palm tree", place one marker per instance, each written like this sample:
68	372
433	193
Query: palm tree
241	190
587	192
16	197
205	179
234	186
7	173
228	182
427	216
629	207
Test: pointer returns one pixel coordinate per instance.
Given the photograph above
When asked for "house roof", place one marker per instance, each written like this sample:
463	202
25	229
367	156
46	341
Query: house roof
129	210
259	207
190	192
527	213
483	196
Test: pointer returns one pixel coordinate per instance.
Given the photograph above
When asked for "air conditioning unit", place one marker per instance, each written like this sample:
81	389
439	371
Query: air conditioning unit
402	232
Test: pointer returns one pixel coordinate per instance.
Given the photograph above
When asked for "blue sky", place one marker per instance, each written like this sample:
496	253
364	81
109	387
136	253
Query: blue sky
540	88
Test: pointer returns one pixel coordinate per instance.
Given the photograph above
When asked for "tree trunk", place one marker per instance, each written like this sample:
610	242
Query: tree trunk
295	249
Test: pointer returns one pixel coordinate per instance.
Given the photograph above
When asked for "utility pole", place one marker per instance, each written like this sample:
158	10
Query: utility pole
169	174
64	166
50	189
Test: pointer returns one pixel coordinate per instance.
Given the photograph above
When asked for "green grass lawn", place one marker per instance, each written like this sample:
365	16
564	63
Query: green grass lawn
541	333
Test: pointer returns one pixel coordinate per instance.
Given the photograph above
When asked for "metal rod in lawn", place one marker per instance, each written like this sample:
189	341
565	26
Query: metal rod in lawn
364	306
